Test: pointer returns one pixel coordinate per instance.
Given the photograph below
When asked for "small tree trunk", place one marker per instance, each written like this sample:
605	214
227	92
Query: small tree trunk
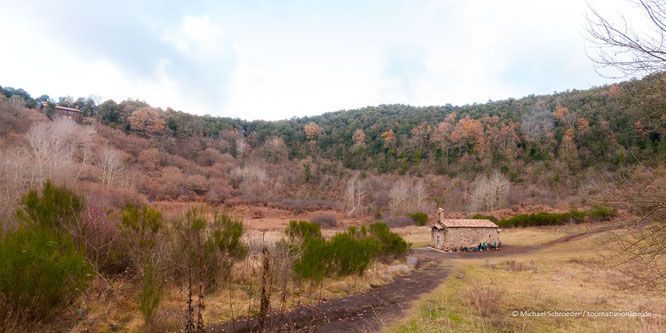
189	319
265	291
231	304
201	306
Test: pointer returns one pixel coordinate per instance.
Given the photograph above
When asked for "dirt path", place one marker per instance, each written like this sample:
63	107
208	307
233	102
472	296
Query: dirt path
371	310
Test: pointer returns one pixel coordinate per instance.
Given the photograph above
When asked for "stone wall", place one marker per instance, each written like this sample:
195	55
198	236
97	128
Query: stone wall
464	237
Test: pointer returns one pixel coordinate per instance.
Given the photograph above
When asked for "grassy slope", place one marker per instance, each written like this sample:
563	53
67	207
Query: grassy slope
480	295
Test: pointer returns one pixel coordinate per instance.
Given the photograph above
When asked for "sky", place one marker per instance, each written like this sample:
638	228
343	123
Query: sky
281	59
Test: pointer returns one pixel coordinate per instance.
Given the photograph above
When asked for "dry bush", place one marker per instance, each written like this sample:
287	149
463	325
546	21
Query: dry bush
173	183
17	173
219	191
489	264
255	192
513	266
197	183
101	240
209	157
227	159
486	300
325	220
15	118
218	170
168	318
151	158
130	144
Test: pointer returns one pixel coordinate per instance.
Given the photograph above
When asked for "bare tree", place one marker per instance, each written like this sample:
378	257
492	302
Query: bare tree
489	193
56	145
408	195
252	171
110	165
354	193
418	195
639	249
399	195
241	146
629	48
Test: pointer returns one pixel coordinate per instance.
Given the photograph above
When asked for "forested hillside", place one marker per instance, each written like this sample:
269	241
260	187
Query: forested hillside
371	159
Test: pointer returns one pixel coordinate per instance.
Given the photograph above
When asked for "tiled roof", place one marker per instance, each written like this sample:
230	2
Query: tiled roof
44	104
465	223
66	108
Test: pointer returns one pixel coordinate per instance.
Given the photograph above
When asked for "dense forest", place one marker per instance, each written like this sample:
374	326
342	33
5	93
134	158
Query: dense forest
547	147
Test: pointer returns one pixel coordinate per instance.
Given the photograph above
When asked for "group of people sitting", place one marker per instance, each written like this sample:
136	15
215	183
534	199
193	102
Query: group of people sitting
481	247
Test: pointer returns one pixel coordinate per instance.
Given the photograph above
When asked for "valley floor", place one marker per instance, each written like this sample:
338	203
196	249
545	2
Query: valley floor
485	290
559	285
555	268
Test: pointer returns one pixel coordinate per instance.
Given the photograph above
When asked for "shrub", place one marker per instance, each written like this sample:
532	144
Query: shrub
151	290
209	246
325	220
303	230
227	234
419	218
314	261
347	253
599	213
543	218
313	264
57	207
42	271
351	252
143	223
392	245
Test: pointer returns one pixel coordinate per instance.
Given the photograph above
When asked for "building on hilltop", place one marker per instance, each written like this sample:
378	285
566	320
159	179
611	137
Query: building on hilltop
463	233
61	111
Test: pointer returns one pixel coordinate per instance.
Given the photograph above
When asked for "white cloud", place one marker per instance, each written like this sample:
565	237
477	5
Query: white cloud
199	38
277	61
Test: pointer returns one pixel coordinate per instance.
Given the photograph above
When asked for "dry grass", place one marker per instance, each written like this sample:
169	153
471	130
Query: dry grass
529	236
419	236
565	277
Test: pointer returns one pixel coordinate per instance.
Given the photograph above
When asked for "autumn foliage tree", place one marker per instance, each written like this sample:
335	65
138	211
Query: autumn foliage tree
468	135
312	131
389	138
359	139
146	121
